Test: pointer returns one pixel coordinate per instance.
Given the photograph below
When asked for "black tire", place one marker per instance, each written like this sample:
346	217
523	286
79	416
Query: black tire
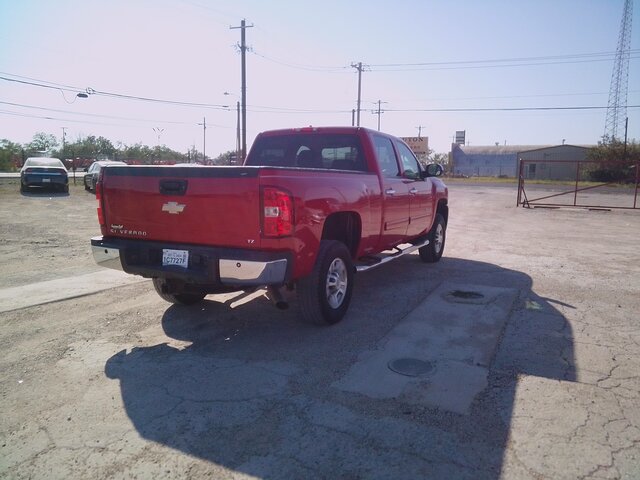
437	235
325	294
180	298
65	189
86	187
23	188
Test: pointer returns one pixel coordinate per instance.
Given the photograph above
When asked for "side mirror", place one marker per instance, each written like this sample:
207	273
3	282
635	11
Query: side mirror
433	170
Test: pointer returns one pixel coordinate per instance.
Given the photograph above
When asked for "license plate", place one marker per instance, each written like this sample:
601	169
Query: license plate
178	258
46	180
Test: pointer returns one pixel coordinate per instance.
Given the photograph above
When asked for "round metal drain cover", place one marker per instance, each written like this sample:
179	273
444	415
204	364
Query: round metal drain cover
411	367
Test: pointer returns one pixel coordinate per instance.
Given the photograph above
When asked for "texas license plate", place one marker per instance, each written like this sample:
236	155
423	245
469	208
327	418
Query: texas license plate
178	258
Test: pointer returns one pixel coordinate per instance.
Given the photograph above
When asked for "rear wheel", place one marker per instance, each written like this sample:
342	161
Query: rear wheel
165	292
437	235
23	188
325	294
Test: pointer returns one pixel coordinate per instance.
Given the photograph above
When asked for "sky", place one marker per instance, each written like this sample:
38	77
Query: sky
436	67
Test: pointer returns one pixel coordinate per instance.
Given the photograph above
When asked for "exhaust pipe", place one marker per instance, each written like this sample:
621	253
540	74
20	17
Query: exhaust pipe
276	298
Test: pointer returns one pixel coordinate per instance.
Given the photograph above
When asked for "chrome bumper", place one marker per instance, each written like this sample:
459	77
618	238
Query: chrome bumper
243	272
107	257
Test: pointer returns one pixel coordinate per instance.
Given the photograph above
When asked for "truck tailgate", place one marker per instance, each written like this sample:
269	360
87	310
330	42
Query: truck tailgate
195	205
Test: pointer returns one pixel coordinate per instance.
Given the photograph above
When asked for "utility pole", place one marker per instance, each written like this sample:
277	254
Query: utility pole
238	140
420	127
64	133
204	139
379	111
358	66
243	50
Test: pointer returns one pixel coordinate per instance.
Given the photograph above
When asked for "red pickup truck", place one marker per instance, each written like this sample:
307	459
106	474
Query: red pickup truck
308	209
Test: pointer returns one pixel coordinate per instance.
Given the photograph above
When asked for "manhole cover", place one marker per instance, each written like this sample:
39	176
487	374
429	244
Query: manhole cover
411	367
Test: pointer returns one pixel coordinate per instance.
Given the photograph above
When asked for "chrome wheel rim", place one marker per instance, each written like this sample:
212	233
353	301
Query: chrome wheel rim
337	281
438	241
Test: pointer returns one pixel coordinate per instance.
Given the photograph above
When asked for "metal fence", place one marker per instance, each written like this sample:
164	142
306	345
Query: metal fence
563	183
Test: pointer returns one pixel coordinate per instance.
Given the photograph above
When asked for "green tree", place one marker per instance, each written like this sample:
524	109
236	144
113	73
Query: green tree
227	158
440	159
137	152
615	161
42	142
10	155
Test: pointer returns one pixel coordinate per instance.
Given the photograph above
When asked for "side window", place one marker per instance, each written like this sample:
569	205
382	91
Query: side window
386	157
410	165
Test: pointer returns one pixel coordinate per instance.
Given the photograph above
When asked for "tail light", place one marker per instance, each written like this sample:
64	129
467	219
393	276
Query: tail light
103	225
277	213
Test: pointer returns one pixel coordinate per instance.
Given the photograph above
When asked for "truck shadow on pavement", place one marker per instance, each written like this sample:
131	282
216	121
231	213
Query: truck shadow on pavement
260	393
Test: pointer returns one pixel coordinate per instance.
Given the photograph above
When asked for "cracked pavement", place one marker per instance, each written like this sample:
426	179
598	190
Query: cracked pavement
541	381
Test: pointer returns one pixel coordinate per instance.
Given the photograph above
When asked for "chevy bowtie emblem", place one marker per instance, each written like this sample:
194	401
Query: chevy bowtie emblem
173	207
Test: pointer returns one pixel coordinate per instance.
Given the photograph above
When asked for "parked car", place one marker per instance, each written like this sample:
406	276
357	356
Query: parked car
44	172
91	177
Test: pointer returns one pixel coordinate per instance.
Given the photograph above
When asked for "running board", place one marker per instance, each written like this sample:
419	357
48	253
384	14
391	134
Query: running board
369	263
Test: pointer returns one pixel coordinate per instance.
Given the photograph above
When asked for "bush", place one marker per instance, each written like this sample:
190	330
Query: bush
604	174
6	161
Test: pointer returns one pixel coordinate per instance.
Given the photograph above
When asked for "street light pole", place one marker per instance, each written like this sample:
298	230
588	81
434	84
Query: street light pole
158	132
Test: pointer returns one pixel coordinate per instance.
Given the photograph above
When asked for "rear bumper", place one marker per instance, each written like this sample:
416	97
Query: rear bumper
212	266
44	179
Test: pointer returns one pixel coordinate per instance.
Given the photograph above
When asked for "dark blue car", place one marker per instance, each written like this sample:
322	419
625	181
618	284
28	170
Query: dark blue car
44	172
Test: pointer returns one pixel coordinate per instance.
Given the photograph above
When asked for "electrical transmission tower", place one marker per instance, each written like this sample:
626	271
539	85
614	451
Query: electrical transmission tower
617	106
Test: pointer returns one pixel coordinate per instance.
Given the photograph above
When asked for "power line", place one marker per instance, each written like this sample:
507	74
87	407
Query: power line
141	120
310	68
609	55
504	109
469	67
112	117
462	64
58	119
91	91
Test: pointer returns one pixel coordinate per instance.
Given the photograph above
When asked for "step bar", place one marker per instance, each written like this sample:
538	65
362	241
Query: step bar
377	261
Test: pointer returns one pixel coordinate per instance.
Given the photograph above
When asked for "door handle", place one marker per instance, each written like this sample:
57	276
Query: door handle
413	191
390	191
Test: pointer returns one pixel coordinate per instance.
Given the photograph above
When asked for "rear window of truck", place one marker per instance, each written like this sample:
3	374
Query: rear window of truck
326	151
